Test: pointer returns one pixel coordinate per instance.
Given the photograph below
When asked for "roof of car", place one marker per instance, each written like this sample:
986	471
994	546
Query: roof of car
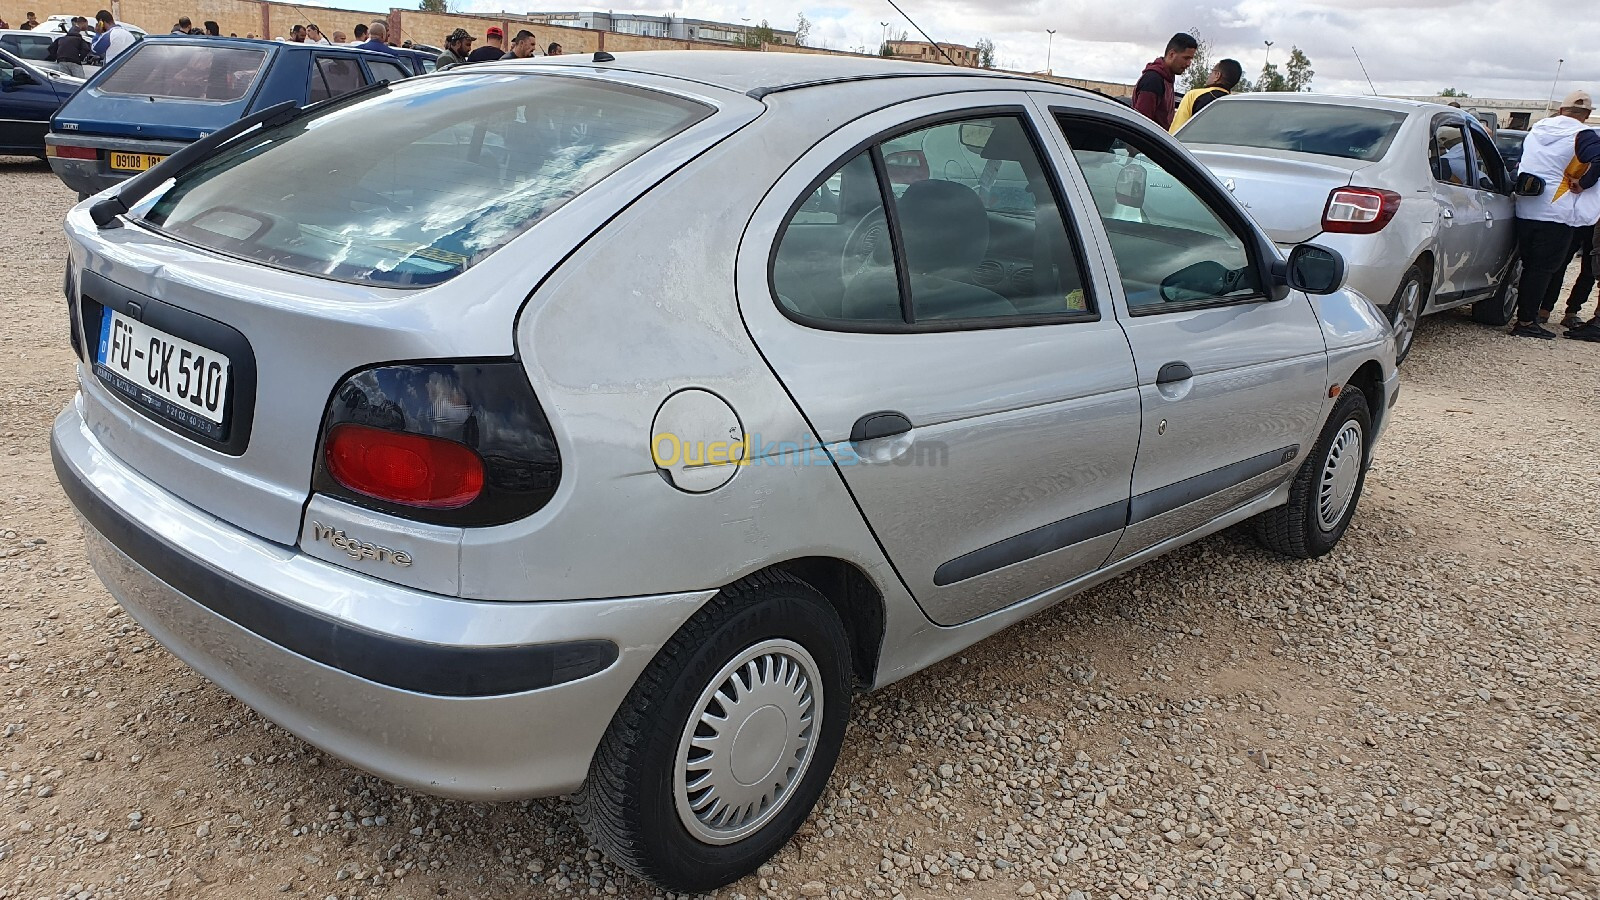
290	46
763	73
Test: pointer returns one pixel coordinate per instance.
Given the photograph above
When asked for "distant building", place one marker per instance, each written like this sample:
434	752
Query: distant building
1518	114
668	26
922	51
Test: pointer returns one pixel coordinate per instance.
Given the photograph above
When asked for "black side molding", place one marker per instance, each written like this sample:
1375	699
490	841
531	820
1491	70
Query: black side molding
435	669
1044	539
1150	504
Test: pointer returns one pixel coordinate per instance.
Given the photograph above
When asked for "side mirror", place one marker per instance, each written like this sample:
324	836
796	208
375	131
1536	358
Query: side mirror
20	76
906	166
1315	270
975	136
1131	184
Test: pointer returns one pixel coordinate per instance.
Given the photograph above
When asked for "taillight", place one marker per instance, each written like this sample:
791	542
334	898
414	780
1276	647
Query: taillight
451	443
1359	210
408	469
67	151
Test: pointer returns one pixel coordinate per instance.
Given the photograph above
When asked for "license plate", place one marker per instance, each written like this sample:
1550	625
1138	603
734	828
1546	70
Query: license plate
184	382
134	162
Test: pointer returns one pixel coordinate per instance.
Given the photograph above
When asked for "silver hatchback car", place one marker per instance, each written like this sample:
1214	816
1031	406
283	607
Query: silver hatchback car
1415	196
600	425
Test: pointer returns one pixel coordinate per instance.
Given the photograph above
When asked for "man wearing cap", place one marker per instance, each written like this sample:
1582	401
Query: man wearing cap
493	46
457	47
1561	151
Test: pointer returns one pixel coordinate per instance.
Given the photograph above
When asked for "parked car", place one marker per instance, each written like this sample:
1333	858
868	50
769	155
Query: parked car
29	96
166	92
34	46
1414	195
499	462
59	25
1509	141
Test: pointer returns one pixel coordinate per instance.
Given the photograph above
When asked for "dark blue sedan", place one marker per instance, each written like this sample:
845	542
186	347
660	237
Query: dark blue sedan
164	93
29	96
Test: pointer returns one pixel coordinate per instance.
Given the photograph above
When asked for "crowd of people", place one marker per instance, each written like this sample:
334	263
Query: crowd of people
1558	209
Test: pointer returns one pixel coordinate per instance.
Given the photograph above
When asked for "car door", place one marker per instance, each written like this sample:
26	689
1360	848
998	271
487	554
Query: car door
932	313
27	100
1462	222
1492	254
1232	370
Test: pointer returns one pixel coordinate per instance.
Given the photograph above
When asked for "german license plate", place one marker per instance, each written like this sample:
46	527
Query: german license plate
184	382
134	162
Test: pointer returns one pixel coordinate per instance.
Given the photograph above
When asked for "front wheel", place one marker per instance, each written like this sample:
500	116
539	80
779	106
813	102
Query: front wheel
1405	309
717	755
1326	490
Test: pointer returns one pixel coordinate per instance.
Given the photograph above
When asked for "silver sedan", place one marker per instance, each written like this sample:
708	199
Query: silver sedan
1414	195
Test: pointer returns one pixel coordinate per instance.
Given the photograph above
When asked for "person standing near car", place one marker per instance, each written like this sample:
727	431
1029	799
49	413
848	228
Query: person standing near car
377	38
31	23
493	46
457	47
183	25
1155	96
1560	152
71	49
113	38
314	35
524	45
1224	78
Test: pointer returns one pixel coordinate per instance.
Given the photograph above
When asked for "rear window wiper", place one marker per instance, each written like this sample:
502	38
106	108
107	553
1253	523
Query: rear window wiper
106	212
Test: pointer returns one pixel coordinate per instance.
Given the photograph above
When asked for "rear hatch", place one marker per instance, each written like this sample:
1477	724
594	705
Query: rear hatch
1282	158
256	283
167	90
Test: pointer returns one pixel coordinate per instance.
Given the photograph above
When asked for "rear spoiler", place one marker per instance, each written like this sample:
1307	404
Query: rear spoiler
106	212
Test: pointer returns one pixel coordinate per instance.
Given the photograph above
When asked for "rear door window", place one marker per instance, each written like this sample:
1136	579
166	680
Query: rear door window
332	76
186	72
448	172
385	71
1449	155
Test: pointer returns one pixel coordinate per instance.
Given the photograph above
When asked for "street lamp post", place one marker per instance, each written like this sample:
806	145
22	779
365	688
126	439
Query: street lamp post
882	44
1559	64
1269	55
1049	45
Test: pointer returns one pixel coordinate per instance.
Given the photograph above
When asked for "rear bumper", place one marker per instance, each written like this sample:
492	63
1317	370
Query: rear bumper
477	700
91	176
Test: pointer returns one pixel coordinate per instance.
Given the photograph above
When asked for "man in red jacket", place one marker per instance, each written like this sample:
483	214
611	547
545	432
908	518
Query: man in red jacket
1154	95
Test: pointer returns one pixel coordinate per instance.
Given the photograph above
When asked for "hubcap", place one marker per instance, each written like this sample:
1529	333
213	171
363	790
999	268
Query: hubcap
748	742
1340	472
1405	317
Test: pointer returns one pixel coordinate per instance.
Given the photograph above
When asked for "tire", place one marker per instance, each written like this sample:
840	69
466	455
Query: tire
1405	310
1501	308
636	805
1306	527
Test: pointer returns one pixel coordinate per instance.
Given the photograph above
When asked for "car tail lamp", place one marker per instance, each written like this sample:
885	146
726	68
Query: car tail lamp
1359	210
409	469
67	151
450	443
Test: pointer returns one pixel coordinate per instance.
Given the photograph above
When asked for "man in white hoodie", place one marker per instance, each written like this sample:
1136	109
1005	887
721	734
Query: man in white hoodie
1562	151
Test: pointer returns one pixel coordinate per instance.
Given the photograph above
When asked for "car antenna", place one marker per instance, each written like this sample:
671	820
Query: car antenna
924	33
1364	71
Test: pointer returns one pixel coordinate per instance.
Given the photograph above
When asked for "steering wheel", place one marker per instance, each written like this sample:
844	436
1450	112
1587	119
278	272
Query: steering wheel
861	248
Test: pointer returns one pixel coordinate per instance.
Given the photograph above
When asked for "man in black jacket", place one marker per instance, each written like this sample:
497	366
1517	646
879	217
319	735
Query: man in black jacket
71	49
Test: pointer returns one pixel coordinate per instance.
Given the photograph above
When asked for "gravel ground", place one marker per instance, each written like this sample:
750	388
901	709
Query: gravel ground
1412	716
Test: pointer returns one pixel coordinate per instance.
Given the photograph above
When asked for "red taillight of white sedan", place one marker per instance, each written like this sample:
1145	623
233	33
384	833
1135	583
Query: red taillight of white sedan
1358	210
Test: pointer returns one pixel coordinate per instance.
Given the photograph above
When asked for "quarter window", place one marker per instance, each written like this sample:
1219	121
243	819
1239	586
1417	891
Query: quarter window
1171	245
972	231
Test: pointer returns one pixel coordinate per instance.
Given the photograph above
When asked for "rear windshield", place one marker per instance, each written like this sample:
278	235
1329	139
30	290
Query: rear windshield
186	72
448	170
1347	132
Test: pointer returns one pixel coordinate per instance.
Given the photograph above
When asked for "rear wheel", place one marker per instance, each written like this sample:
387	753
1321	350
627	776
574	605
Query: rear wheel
1500	308
1405	309
1327	489
725	743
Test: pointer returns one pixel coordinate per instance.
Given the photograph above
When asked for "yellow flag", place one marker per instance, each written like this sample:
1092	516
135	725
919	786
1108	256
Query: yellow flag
1570	178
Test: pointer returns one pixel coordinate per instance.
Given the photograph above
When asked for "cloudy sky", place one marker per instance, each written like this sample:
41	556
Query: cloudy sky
1489	48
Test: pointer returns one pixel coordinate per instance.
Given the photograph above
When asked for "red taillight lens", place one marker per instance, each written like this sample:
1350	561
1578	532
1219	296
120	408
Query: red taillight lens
1354	210
65	151
410	469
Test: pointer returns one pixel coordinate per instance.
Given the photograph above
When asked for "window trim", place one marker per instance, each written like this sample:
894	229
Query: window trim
902	274
1263	254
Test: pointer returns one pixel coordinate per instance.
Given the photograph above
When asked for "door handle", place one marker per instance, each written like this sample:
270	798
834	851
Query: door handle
1174	372
876	425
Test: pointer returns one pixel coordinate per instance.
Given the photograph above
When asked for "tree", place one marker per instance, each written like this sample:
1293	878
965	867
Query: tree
1452	92
761	34
985	48
1298	73
885	49
434	6
1200	71
1271	79
802	30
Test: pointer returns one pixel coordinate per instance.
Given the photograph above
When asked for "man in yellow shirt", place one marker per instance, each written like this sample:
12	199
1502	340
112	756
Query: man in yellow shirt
1225	77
